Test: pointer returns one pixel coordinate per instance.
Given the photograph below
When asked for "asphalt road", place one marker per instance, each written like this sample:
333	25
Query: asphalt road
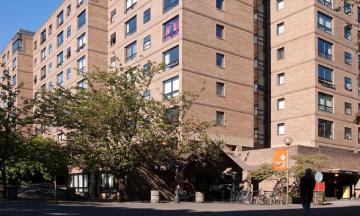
30	208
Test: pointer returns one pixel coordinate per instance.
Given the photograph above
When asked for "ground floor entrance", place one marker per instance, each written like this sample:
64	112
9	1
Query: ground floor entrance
341	184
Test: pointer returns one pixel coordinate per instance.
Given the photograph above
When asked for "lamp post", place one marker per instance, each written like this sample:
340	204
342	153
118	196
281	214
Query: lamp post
287	141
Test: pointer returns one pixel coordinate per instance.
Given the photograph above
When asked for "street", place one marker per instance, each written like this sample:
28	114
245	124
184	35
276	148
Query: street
32	208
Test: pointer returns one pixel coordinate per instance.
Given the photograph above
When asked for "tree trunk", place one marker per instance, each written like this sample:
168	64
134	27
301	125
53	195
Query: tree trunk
122	195
3	177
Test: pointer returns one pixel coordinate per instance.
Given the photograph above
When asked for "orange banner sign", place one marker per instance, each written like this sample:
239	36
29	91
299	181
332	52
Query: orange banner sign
280	159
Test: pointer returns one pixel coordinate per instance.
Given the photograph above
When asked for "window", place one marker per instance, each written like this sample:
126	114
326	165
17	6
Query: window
281	79
79	3
171	58
220	118
280	28
60	59
280	4
43	54
82	84
325	76
68	31
281	129
327	3
60	38
17	45
113	39
171	87
14	64
68	10
347	133
324	49
220	4
50	48
347	7
35	79
50	86
324	22
43	88
43	36
281	103
281	53
325	128
147	94
60	79
347	32
13	80
347	84
147	15
81	64
50	67
347	58
68	74
171	28
220	60
60	18
81	41
130	26
107	180
325	102
358	15
130	4
35	46
79	182
347	108
81	19
113	62
219	31
168	4
113	16
43	73
147	42
130	52
146	69
68	52
50	29
358	135
220	89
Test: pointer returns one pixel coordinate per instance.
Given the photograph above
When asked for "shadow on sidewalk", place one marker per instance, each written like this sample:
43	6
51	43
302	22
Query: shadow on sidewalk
75	209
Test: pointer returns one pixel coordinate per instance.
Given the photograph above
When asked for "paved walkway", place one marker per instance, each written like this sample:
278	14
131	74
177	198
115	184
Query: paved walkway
29	208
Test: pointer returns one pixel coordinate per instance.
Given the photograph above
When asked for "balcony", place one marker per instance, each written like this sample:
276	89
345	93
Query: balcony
326	3
326	83
324	28
325	55
325	108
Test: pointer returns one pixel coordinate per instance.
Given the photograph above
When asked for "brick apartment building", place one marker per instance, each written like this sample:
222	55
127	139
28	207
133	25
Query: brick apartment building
270	68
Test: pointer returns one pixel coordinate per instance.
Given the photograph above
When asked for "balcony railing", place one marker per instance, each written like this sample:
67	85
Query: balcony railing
324	28
172	64
325	108
131	57
326	3
325	55
326	83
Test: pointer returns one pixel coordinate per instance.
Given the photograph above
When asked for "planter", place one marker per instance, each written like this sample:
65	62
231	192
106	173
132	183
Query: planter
296	200
199	197
318	198
155	196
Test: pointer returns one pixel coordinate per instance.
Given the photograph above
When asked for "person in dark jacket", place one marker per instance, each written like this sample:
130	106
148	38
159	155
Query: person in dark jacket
307	185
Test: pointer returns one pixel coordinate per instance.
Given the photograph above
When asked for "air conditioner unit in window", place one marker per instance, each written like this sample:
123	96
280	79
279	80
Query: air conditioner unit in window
348	87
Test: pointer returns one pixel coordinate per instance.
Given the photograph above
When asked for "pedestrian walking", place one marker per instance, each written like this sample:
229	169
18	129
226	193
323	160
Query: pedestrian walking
307	185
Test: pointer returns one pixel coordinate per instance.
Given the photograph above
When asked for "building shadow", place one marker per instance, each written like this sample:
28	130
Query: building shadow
92	209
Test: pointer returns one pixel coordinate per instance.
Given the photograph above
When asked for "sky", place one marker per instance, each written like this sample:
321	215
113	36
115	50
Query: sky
25	14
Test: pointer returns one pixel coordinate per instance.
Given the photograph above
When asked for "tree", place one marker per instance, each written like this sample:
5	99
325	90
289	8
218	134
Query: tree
10	136
113	125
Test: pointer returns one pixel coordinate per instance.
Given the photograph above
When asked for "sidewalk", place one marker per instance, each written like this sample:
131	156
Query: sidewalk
30	208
